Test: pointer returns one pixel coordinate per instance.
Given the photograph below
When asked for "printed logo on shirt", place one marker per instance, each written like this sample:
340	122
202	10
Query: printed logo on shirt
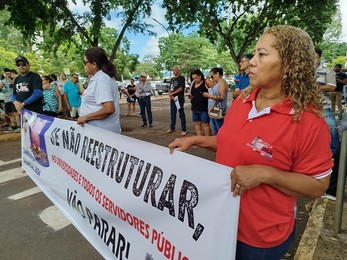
22	87
259	146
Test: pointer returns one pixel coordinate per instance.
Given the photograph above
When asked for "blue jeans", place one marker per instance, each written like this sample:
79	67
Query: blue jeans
246	252
345	93
145	104
216	124
200	116
329	118
173	113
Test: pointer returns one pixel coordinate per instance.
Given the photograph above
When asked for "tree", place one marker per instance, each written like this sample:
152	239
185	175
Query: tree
59	24
148	66
10	38
235	25
333	48
191	52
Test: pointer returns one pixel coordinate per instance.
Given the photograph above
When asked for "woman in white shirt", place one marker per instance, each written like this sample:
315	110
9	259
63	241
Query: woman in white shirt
100	101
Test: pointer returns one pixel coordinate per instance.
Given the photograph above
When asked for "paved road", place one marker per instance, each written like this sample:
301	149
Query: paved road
31	227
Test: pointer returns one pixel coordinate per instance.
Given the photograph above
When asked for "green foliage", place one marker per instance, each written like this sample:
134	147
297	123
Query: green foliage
66	57
58	26
7	58
340	60
148	66
334	50
191	52
236	25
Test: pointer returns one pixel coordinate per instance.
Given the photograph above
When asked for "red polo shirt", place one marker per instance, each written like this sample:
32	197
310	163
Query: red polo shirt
273	139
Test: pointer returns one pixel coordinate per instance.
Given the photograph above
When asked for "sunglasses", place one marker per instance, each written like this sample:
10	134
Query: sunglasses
21	64
85	62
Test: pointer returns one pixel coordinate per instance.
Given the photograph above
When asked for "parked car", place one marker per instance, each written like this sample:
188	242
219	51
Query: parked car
162	87
122	89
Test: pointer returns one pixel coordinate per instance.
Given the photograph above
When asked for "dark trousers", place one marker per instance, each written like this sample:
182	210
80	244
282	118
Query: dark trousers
145	104
173	112
246	252
335	172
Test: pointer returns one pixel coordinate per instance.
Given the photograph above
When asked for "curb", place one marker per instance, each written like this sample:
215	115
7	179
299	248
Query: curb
309	239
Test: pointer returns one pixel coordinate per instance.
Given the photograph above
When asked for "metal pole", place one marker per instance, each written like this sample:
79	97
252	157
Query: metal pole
341	181
167	31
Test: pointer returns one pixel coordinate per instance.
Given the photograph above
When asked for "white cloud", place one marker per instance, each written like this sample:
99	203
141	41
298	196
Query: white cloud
151	47
79	7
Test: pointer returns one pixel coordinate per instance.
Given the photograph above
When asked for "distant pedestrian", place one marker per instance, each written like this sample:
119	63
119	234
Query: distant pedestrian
199	103
6	87
27	91
51	97
63	112
325	78
243	79
100	100
72	96
176	94
336	96
326	81
131	99
217	95
144	91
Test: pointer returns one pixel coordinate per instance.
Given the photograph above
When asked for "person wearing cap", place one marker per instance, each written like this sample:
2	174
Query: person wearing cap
27	92
144	91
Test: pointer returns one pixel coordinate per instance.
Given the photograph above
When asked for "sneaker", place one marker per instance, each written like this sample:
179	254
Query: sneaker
143	125
10	130
184	133
328	196
18	130
170	131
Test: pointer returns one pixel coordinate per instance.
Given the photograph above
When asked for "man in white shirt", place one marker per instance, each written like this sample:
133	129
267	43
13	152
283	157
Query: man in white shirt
144	91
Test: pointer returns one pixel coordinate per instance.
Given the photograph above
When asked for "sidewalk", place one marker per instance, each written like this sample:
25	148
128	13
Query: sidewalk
319	241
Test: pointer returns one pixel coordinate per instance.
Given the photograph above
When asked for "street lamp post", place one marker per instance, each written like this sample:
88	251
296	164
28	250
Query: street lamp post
167	31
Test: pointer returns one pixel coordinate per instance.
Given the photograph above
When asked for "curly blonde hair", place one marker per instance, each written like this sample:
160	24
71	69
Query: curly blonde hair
297	54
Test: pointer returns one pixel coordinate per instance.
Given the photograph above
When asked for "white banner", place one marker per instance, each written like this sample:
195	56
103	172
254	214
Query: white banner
131	199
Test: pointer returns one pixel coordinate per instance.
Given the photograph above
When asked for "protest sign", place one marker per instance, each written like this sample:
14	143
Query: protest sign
131	199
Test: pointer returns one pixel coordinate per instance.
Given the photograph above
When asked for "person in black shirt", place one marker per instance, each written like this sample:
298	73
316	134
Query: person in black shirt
176	94
199	103
131	99
336	96
27	92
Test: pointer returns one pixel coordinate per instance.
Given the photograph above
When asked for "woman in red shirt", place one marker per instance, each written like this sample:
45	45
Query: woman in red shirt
276	141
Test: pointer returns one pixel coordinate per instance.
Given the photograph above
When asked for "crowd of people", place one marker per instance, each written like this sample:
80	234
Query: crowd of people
42	94
279	137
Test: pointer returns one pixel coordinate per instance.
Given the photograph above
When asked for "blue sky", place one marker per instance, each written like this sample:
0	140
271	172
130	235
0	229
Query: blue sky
143	44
